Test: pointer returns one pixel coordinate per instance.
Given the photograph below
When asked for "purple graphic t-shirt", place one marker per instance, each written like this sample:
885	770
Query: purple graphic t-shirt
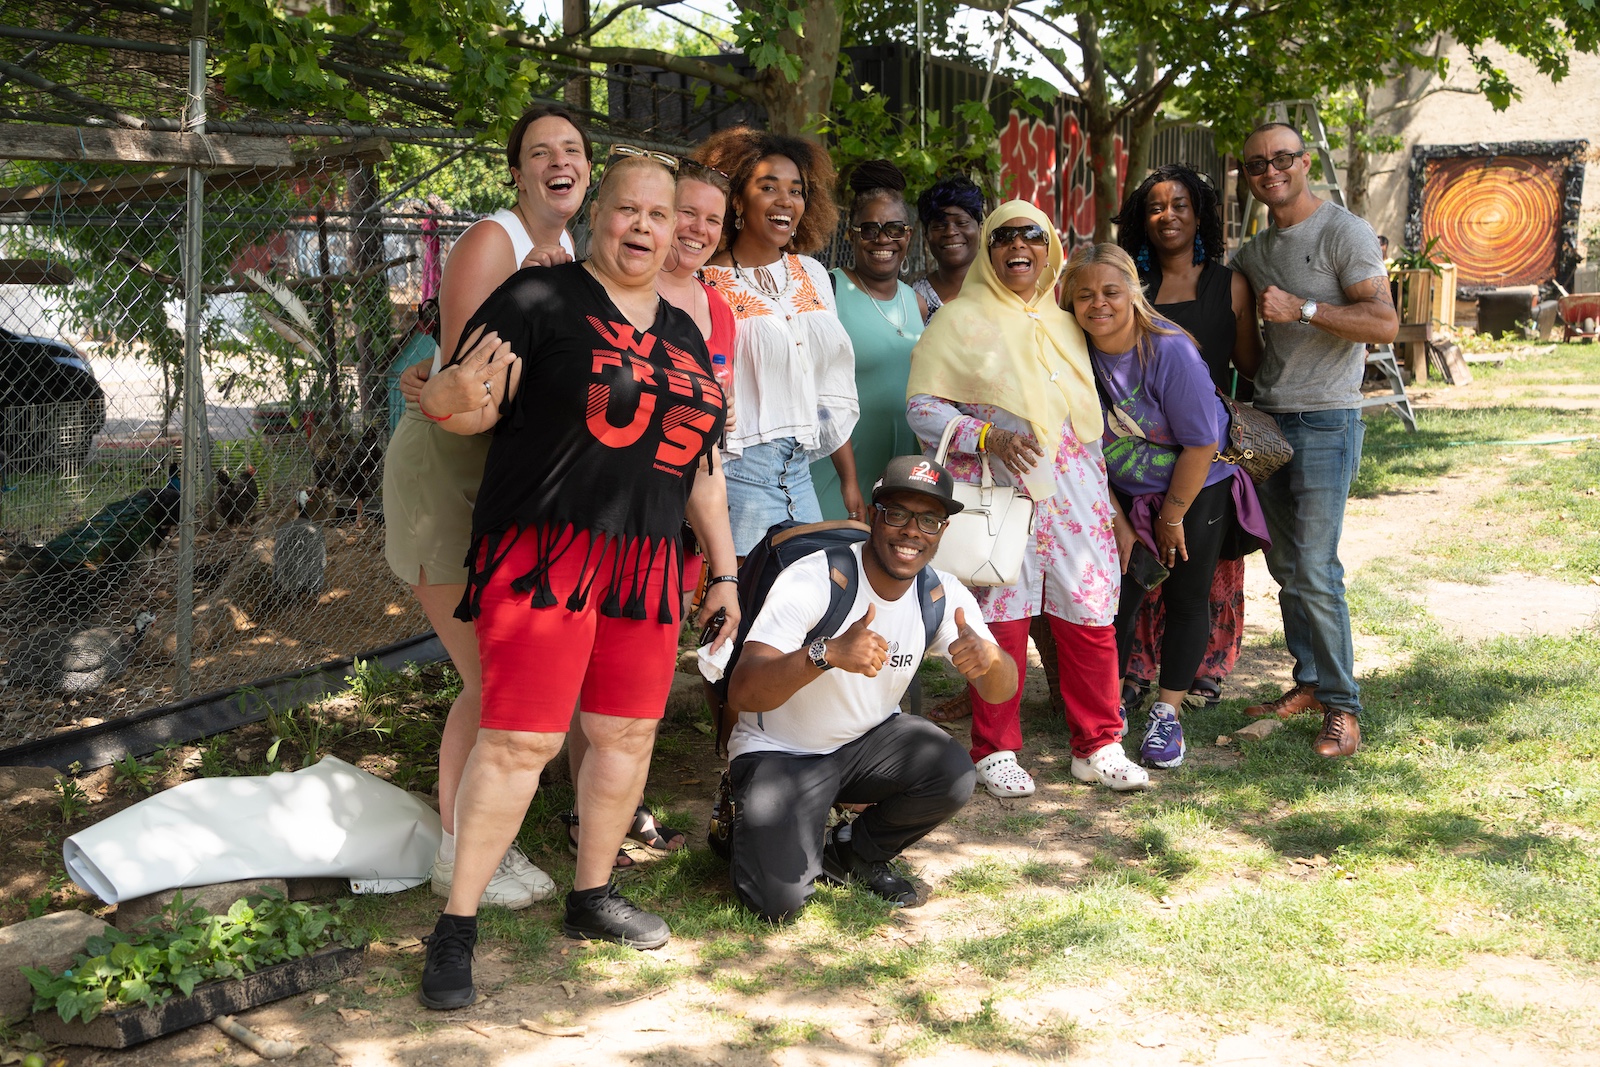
1171	399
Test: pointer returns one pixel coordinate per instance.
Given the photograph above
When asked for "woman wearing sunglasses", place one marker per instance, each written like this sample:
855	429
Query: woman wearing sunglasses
884	319
431	478
1010	368
794	373
1173	496
1172	227
951	211
603	402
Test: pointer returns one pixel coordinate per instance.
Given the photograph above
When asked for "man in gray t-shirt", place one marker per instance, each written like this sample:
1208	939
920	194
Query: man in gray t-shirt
1324	296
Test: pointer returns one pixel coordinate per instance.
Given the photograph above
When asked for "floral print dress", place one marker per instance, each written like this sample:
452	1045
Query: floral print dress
1071	569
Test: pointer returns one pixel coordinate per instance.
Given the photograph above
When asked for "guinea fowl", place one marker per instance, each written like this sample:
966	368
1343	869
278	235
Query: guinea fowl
76	661
236	498
348	466
299	551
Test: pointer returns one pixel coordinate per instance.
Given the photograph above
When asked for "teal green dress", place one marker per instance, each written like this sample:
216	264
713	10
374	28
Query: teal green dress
883	334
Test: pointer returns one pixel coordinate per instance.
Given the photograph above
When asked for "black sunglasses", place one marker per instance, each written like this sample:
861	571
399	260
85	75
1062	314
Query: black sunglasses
893	231
1282	161
897	517
1032	234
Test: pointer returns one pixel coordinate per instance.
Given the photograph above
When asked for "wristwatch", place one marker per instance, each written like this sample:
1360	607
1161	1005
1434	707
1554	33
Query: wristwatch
1307	310
818	651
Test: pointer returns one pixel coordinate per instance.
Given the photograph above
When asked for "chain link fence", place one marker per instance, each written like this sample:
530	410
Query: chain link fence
310	290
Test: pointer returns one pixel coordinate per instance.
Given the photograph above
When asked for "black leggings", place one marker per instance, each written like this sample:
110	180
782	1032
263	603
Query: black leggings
1186	593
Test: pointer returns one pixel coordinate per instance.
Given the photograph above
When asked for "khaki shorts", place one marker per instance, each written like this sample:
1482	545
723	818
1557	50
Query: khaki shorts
430	483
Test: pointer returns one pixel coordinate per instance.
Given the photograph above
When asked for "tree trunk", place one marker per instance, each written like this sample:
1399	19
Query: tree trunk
1357	160
1142	134
794	106
1101	127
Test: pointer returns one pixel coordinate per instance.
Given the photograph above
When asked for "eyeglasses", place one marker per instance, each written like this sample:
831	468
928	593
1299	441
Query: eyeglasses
1032	234
898	517
891	231
1282	161
634	151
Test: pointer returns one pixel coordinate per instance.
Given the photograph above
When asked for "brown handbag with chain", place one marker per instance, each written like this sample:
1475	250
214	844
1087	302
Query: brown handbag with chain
1254	441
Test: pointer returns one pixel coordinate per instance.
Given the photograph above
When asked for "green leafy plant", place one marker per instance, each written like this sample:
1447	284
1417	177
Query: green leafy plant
1421	259
135	774
185	946
73	801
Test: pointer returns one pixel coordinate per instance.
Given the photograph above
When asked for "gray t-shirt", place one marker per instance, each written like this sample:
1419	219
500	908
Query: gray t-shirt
1305	368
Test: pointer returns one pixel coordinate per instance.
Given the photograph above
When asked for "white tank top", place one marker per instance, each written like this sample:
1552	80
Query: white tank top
521	245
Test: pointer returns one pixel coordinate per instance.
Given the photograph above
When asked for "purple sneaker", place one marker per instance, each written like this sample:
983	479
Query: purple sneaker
1163	738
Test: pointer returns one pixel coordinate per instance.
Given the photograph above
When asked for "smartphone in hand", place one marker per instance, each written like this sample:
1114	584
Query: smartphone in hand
1144	569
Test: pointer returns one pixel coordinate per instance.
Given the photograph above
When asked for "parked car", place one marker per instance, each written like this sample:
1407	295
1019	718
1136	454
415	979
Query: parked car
51	405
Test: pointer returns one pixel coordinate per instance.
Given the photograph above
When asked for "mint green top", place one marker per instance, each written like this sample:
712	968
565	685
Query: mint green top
883	333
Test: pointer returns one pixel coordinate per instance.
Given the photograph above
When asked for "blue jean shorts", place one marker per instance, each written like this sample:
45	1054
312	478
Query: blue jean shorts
768	484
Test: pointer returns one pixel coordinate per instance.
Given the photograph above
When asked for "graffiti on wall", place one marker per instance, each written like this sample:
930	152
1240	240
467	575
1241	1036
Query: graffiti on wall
1505	214
1047	163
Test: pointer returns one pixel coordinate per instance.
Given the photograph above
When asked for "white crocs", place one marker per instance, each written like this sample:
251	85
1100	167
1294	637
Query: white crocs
1003	776
1112	768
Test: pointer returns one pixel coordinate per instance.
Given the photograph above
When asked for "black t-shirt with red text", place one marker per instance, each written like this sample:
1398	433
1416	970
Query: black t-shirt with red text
603	436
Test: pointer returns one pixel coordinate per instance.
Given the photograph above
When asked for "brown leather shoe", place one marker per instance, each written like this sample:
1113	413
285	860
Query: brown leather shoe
1340	735
954	709
1299	699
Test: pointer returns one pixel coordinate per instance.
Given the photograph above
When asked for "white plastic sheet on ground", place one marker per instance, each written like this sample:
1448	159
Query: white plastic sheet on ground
331	820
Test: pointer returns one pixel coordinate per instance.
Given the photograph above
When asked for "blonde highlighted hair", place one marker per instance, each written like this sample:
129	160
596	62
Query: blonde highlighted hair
1147	321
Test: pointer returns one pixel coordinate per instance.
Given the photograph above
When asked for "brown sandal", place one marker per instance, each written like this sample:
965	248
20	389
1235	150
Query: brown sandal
953	709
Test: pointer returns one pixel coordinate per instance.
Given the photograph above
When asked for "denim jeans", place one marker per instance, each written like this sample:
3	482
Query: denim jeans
1304	508
767	485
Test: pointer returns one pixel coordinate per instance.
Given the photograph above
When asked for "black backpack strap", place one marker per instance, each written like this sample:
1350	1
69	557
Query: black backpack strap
930	594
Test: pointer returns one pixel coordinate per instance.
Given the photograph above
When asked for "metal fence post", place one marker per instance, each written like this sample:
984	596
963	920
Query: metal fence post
196	438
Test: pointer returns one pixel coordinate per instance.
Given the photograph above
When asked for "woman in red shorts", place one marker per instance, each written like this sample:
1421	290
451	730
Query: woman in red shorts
603	401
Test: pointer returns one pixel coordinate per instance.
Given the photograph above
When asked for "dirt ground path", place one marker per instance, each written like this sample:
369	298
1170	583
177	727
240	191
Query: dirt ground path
688	1020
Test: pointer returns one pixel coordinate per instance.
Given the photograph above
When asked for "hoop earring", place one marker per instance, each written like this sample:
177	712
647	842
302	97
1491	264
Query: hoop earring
1143	259
905	267
738	221
1199	249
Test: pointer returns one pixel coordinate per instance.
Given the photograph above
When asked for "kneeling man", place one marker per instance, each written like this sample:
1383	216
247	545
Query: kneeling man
820	724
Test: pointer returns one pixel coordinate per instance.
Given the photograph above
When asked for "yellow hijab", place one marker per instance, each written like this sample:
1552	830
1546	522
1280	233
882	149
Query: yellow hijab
989	346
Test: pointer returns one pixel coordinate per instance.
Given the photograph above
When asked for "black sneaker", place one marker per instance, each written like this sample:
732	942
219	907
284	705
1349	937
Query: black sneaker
605	915
447	971
840	864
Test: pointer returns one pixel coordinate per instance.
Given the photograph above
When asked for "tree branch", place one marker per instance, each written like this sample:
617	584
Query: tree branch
1061	68
723	76
1071	39
611	16
1402	105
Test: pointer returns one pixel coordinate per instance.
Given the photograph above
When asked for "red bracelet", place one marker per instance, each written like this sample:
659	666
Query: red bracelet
435	418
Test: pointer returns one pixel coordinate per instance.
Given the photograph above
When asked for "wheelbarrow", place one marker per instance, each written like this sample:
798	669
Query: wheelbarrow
1580	316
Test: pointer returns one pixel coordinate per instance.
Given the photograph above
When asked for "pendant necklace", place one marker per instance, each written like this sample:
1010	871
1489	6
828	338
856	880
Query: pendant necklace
761	279
877	305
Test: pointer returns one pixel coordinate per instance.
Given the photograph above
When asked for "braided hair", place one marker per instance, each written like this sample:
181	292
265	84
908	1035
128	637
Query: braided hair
874	179
1131	226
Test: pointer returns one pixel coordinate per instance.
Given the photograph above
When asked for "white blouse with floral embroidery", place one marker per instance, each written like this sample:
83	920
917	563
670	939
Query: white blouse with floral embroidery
1071	569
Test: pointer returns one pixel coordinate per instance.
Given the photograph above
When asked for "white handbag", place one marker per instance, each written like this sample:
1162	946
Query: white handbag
988	538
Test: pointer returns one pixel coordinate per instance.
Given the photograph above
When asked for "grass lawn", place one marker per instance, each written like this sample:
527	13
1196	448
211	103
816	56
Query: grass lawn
1382	899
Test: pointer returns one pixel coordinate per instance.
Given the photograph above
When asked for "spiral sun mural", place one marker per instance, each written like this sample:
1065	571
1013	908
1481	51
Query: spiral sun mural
1498	218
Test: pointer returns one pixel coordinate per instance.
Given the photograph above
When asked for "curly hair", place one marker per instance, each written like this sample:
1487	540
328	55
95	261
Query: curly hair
958	191
737	152
1131	227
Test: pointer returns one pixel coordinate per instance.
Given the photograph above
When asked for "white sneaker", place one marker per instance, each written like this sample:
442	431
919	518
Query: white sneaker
517	883
1003	776
1112	768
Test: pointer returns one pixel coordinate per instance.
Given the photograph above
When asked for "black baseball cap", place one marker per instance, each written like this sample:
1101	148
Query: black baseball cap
913	474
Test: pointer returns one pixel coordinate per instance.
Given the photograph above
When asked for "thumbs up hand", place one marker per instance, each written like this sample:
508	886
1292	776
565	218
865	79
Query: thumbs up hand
969	653
859	650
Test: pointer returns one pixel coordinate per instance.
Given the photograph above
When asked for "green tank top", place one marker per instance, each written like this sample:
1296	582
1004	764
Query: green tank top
882	334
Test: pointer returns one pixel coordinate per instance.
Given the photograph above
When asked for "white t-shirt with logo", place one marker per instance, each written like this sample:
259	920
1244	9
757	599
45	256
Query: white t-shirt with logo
839	706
